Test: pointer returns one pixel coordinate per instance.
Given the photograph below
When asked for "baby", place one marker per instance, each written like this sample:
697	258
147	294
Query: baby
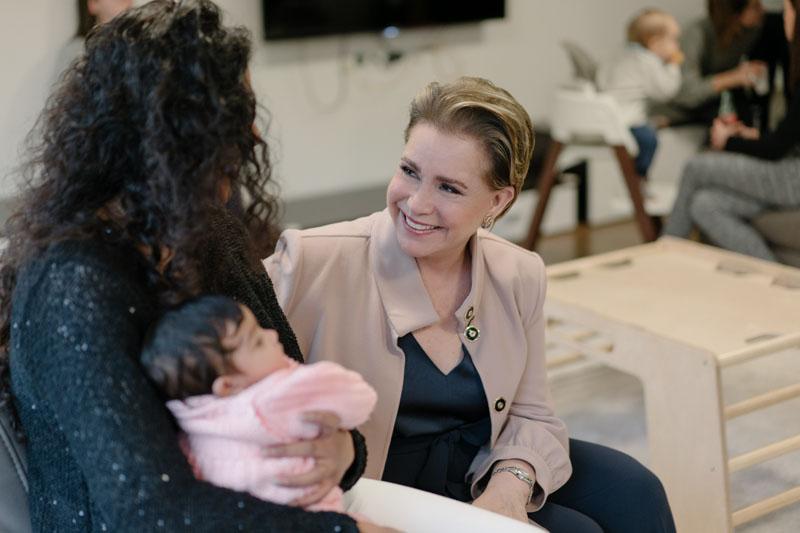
234	391
647	71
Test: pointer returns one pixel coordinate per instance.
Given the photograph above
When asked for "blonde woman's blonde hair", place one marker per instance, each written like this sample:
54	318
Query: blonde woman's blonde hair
647	24
487	113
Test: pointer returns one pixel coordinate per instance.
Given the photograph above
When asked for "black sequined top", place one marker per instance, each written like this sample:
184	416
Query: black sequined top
103	451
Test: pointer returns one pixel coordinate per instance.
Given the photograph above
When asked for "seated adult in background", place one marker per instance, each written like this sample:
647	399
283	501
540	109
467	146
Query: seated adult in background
750	173
773	50
121	218
716	48
445	320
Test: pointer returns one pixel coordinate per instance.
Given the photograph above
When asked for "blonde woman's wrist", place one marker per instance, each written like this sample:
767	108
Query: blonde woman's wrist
515	476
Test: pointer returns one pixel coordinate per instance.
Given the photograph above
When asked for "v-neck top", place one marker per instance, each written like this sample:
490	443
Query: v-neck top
442	422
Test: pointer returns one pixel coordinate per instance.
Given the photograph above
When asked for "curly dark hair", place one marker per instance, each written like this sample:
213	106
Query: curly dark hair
138	140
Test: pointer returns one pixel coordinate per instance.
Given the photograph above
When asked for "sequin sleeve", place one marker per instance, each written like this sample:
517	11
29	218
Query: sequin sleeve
75	344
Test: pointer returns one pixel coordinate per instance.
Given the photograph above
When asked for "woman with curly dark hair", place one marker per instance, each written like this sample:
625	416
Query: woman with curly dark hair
121	218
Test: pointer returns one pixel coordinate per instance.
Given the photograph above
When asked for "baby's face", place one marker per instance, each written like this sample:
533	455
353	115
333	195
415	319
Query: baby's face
255	352
667	46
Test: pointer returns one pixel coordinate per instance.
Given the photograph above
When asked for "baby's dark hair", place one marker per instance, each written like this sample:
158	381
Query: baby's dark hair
183	351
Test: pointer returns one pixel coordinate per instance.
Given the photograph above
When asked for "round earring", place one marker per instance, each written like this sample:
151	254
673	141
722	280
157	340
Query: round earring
488	222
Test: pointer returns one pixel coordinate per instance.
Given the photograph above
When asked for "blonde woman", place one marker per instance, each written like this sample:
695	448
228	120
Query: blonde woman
445	320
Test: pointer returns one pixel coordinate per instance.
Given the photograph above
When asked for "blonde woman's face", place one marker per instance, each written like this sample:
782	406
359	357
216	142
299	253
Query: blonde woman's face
439	194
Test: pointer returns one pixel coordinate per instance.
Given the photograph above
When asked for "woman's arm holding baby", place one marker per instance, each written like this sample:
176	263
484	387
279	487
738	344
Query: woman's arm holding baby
314	406
333	452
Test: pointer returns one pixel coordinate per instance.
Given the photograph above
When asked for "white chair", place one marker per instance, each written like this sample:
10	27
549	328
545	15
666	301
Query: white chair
583	116
14	516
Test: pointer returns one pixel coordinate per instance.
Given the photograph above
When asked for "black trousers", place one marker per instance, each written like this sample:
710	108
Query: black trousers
609	491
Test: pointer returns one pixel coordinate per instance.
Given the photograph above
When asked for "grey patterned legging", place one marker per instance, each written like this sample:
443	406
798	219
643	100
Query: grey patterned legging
721	192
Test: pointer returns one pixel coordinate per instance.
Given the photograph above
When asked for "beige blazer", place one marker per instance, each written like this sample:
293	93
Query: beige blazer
350	292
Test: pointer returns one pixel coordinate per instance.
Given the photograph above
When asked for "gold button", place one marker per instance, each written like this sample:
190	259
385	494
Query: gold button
472	333
499	404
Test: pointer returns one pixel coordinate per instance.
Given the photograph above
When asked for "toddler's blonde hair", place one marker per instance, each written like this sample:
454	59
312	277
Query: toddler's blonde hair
647	24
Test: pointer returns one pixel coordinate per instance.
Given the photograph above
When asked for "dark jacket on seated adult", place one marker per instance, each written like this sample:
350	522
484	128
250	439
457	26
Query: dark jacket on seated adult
103	451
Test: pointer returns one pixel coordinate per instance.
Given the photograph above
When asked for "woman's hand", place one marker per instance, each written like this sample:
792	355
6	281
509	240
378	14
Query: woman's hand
746	132
332	452
748	73
505	495
720	133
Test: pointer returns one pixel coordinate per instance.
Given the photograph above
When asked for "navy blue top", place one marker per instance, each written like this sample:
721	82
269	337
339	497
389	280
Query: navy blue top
442	422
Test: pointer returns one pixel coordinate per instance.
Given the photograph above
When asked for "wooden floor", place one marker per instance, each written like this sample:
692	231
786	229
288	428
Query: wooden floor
587	240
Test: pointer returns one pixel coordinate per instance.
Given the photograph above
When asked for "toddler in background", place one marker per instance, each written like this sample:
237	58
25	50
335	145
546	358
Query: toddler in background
648	70
234	391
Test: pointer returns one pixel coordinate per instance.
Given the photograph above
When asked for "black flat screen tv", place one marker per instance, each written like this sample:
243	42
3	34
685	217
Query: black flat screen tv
286	19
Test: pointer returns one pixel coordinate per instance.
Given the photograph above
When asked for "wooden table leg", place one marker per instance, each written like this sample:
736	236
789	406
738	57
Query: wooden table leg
686	436
632	180
543	187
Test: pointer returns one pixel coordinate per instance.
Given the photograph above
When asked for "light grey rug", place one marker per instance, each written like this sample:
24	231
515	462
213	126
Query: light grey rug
605	406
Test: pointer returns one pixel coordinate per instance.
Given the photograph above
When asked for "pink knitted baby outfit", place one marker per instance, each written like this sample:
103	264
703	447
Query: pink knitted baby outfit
225	436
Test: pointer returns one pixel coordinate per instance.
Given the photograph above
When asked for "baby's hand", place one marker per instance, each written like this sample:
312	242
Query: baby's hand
677	58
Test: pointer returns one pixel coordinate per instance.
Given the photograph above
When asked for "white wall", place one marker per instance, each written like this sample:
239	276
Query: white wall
335	124
33	36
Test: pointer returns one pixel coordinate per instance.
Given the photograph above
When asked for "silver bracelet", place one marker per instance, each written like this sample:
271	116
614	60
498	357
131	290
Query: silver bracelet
520	474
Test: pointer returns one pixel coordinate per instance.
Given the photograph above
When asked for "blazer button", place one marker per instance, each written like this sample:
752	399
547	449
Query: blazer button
472	333
499	404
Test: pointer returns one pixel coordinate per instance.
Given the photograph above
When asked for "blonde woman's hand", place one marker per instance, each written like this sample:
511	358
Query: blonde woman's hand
505	495
332	451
